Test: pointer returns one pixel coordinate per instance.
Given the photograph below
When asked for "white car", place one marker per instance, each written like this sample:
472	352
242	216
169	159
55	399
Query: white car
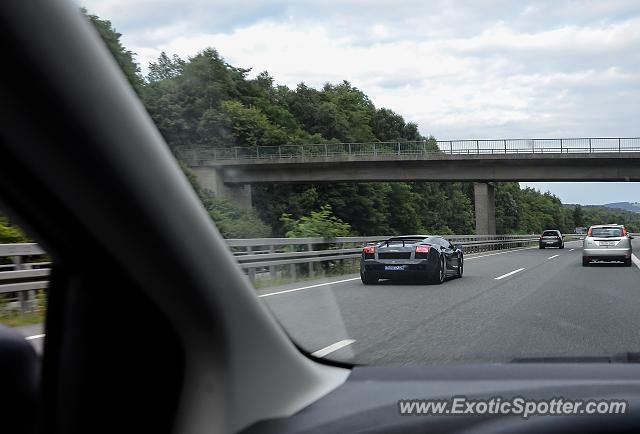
607	243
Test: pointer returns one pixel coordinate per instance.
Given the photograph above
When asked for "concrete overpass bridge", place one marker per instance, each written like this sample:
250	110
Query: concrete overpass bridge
231	171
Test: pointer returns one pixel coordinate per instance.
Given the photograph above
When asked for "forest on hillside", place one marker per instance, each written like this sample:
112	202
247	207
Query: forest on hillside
204	102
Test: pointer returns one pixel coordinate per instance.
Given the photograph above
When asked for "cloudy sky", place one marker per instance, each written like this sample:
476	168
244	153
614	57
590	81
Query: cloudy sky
459	69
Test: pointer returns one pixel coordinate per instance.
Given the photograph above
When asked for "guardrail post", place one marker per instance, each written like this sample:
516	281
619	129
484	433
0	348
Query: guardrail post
279	151
374	149
235	148
310	248
251	271
17	265
619	148
561	146
589	144
398	148
292	270
477	147
349	148
272	268
257	152
326	151
505	146
450	147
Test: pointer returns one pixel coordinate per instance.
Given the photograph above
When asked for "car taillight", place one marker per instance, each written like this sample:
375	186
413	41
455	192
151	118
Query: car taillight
590	232
369	249
423	248
624	232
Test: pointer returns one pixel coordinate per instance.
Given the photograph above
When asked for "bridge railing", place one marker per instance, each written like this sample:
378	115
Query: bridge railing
452	147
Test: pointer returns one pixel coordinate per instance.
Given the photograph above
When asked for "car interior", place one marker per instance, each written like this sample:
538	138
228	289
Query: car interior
193	350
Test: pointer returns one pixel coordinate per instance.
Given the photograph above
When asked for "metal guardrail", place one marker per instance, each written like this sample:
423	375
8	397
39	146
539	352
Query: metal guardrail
252	255
267	253
588	145
23	278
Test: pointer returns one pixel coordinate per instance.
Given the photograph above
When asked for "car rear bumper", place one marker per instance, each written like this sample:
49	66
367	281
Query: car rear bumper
550	243
376	269
607	253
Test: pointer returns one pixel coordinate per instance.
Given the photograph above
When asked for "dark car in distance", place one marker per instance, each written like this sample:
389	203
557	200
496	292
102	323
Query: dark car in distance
429	258
551	238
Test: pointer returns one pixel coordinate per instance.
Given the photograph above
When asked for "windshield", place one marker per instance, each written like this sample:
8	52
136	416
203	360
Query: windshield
606	232
313	132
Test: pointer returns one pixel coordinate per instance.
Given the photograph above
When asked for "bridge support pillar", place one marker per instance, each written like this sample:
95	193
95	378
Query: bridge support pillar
211	179
485	208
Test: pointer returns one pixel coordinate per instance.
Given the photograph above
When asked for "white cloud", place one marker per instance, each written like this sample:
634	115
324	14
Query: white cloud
458	68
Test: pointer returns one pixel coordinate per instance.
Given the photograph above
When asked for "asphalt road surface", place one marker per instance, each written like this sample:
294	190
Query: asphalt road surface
514	304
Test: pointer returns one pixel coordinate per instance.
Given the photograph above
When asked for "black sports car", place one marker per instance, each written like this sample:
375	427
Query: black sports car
427	257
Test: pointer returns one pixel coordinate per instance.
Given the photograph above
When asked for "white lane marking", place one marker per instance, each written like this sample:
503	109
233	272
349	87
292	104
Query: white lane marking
635	260
308	287
499	253
554	256
571	250
509	274
29	338
356	278
333	347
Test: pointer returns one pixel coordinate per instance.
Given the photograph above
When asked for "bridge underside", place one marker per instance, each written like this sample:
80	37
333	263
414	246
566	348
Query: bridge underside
232	178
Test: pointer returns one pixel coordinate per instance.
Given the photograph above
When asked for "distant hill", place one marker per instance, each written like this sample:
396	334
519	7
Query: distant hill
627	206
633	207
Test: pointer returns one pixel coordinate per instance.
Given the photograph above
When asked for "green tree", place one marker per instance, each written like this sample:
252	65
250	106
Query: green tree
233	221
578	216
10	233
318	224
250	126
124	57
165	68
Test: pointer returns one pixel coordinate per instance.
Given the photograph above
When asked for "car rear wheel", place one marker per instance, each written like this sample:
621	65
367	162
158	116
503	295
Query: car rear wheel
541	246
562	246
438	274
585	262
627	262
368	279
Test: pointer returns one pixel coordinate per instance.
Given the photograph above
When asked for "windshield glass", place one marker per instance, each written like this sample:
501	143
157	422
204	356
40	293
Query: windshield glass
606	232
314	132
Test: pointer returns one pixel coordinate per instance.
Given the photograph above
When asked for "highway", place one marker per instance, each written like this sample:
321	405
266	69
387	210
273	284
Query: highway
513	304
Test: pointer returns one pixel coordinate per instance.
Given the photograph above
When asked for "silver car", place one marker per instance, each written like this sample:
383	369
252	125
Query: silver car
607	243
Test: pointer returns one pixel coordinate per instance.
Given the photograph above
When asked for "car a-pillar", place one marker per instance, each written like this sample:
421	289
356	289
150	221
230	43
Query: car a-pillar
485	205
212	179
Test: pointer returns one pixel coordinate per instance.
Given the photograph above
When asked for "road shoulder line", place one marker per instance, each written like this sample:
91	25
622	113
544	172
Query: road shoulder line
308	287
333	347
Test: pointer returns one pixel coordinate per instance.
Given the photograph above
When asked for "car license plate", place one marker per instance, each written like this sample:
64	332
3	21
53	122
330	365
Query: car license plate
607	243
394	267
